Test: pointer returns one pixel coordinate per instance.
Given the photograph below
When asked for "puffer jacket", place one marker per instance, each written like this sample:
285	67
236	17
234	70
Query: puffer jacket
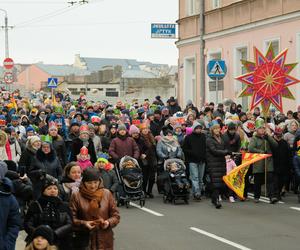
262	146
216	163
53	212
167	149
100	239
109	177
9	216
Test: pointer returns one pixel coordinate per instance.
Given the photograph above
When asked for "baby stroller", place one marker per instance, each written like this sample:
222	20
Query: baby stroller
176	185
130	182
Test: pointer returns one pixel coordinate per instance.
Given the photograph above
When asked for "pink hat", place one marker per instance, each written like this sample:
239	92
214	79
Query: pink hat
133	129
188	130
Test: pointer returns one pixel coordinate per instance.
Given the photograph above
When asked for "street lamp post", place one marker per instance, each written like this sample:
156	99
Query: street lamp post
6	33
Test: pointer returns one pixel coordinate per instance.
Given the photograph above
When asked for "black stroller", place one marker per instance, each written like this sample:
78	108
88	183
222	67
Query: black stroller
176	185
130	182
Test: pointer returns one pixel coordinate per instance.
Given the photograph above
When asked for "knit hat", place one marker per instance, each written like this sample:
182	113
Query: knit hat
45	231
91	126
49	181
33	139
29	129
259	123
102	160
14	118
84	129
3	169
133	130
122	127
58	110
113	125
214	124
231	125
196	125
46	139
90	174
84	151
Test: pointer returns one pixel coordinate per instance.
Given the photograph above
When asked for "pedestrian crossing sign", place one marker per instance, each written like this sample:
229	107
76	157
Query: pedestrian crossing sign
52	82
216	69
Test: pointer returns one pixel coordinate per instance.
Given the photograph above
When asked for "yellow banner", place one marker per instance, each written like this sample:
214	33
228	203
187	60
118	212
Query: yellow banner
235	179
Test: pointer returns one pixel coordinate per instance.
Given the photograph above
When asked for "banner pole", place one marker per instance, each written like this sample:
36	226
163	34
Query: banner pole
265	170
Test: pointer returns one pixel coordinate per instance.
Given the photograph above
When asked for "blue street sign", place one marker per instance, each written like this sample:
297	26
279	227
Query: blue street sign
216	69
163	30
52	82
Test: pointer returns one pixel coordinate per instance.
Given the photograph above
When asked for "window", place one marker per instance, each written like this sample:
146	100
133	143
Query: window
216	4
241	53
190	79
275	44
112	94
111	89
193	7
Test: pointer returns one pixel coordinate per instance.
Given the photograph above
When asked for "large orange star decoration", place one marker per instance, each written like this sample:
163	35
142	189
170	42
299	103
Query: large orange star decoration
268	79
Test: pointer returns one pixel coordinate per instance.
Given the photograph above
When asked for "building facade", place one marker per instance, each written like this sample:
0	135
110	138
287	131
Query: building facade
231	29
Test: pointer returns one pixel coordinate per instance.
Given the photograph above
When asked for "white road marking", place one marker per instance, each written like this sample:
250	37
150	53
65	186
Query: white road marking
295	208
263	199
228	242
146	209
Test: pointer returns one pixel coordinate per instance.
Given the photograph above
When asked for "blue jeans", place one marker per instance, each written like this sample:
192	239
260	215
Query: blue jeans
196	176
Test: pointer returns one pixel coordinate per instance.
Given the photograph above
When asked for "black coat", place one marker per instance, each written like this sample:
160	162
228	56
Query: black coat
215	158
232	142
174	109
25	161
78	144
51	211
194	148
41	165
156	126
60	149
281	157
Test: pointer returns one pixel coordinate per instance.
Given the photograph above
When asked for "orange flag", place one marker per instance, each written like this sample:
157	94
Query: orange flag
235	180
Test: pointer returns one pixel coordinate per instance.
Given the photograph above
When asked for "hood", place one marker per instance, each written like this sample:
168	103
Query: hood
3	138
41	156
6	186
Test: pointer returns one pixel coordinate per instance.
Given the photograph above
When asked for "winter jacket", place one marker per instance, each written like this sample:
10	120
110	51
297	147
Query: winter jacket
77	144
101	239
194	148
60	149
51	211
296	164
262	146
281	158
167	149
174	109
215	158
97	144
9	216
110	179
232	142
67	187
41	165
156	126
26	159
122	146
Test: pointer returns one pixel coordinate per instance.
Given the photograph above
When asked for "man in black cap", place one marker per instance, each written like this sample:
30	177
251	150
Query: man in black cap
173	106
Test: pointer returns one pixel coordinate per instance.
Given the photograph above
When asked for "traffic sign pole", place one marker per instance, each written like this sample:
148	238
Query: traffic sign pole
217	91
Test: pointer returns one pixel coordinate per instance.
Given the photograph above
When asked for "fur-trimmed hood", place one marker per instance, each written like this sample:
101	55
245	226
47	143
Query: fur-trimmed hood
3	138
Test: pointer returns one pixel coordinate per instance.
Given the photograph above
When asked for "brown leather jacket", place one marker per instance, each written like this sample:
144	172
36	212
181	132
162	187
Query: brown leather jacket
100	239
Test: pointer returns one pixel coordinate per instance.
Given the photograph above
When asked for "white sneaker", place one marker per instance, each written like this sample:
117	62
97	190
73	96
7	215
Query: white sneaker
231	199
220	198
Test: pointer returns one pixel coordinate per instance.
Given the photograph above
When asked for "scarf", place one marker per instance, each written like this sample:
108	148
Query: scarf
94	198
171	144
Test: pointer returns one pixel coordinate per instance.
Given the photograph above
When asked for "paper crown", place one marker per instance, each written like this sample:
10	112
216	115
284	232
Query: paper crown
52	125
95	119
46	138
58	109
84	129
84	151
259	123
144	125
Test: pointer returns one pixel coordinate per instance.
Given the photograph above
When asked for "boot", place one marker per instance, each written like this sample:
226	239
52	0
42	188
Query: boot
217	203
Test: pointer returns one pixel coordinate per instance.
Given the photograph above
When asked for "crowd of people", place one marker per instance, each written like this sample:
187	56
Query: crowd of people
58	159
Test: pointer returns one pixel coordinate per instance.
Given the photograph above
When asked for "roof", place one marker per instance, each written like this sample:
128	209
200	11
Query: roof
61	70
133	73
95	64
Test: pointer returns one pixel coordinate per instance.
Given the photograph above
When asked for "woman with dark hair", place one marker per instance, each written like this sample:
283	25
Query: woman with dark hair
45	163
233	108
50	210
216	163
94	213
70	181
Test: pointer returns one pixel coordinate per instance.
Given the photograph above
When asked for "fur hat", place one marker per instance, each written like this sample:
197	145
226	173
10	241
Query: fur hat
49	181
90	174
33	139
133	129
45	231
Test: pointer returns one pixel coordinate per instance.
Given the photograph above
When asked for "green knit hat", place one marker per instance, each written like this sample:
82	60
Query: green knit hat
259	123
58	109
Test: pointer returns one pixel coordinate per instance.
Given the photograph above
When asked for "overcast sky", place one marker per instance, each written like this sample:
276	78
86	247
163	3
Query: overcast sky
101	28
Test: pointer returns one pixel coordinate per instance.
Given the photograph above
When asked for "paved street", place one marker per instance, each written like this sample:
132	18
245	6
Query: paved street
242	225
